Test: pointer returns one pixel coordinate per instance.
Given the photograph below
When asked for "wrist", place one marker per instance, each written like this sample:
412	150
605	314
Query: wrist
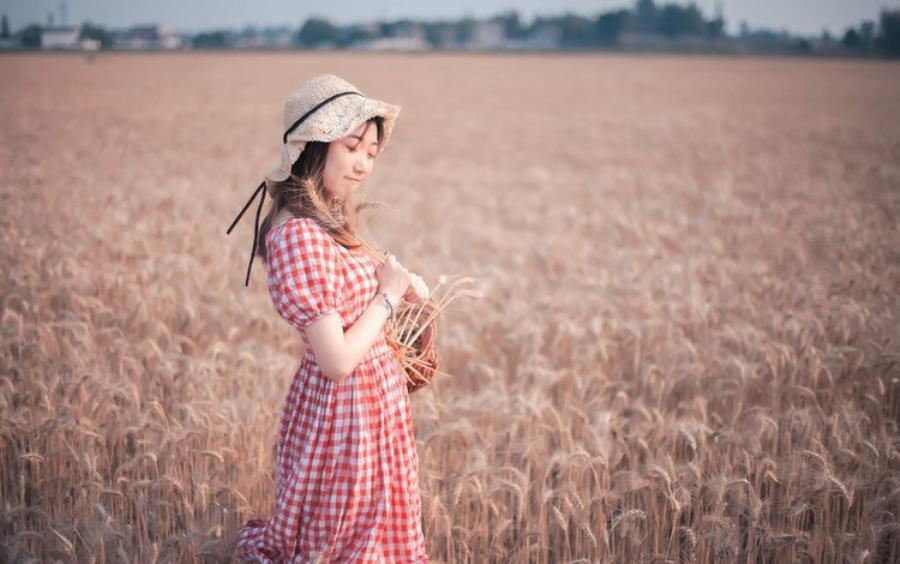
388	301
393	296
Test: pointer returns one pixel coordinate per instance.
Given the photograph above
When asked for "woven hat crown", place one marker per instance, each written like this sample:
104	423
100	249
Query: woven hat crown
313	92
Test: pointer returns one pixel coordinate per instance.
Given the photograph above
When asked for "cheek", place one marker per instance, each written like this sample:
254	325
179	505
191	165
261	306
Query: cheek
336	163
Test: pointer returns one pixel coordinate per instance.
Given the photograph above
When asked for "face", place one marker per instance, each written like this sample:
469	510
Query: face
350	161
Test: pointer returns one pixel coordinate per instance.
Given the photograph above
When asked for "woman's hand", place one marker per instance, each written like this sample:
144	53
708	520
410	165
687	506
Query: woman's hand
393	279
418	290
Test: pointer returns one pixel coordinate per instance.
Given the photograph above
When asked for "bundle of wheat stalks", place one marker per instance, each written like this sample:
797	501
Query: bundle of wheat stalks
413	333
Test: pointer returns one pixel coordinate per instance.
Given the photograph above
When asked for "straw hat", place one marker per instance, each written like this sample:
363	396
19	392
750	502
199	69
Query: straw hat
326	108
336	107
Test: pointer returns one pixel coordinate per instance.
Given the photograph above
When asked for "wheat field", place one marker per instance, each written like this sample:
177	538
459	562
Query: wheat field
687	349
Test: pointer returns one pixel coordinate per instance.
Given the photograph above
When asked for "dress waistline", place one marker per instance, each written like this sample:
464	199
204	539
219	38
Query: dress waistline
380	348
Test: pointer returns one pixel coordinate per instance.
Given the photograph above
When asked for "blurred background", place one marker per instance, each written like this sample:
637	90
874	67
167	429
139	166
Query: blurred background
682	218
833	27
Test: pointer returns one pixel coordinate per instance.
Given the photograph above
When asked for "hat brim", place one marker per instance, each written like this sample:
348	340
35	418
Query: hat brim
343	115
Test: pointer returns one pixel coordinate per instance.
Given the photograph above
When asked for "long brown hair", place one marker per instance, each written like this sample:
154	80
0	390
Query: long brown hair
303	194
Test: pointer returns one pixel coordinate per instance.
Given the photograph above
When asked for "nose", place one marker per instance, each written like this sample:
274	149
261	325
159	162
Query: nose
361	167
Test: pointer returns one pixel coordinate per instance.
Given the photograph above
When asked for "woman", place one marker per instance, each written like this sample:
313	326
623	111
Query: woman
346	487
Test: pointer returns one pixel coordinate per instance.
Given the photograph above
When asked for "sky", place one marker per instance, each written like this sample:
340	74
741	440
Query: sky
800	17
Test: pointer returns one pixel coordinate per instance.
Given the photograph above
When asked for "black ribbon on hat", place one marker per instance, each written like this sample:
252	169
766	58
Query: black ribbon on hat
262	185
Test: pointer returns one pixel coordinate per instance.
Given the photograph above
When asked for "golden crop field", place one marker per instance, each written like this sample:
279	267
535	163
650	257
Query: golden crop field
687	349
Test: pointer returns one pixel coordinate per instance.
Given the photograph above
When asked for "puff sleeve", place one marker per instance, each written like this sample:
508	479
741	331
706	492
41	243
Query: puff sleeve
305	273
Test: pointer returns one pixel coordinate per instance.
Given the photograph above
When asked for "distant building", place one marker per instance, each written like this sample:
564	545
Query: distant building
406	37
7	44
546	37
153	36
90	45
263	38
60	37
250	41
412	31
394	44
487	35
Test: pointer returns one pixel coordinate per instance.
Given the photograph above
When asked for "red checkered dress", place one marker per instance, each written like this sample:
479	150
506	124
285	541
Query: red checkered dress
346	487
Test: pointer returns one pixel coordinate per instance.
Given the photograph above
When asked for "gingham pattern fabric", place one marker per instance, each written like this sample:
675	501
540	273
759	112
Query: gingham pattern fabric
346	486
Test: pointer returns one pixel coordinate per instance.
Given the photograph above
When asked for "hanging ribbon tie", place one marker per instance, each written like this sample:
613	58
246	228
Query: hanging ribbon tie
262	185
260	188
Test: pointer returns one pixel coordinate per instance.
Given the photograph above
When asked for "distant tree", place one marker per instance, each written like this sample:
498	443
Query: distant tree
610	26
851	39
715	28
512	25
31	37
867	34
826	36
889	36
387	29
647	16
576	31
395	29
802	46
355	35
675	20
211	40
464	29
4	28
439	34
316	31
97	33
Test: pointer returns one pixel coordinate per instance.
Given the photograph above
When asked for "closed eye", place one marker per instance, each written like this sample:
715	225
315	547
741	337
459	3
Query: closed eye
353	150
